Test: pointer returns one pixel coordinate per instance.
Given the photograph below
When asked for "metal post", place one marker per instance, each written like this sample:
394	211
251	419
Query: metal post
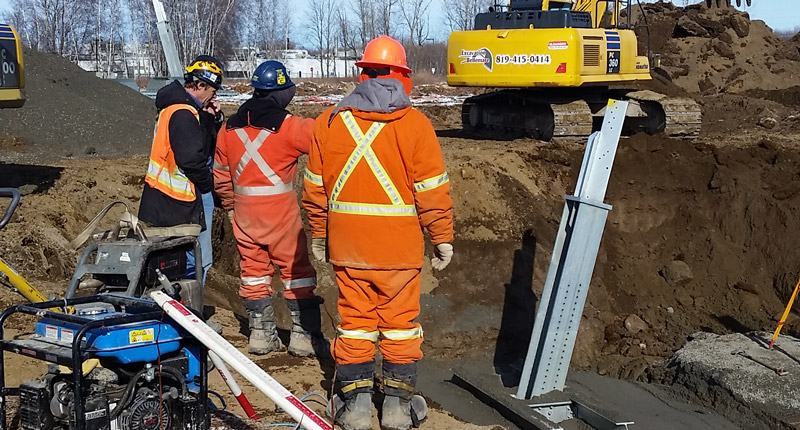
168	41
574	254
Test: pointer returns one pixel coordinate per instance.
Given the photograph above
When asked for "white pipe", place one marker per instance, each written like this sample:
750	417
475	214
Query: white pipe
246	367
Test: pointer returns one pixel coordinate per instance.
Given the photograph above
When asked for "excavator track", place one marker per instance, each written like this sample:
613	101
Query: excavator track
509	114
682	116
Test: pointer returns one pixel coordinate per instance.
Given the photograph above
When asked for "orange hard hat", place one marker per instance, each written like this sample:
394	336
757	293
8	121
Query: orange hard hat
384	51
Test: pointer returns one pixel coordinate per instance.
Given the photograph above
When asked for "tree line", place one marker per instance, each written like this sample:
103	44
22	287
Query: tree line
99	29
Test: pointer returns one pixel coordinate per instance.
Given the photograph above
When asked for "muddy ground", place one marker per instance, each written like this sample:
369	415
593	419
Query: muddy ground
725	205
702	235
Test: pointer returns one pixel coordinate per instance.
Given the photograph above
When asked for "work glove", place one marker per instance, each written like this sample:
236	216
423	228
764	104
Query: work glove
230	216
318	247
443	252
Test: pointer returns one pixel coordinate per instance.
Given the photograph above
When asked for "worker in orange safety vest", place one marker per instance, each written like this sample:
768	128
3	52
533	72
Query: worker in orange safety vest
375	179
254	169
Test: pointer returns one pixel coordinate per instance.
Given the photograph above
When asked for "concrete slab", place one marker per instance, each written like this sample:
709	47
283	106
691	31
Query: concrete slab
650	407
738	372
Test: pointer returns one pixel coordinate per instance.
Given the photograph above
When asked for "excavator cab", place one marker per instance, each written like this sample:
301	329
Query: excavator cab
12	78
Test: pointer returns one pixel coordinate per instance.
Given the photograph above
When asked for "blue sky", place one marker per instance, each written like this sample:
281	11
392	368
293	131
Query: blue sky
781	15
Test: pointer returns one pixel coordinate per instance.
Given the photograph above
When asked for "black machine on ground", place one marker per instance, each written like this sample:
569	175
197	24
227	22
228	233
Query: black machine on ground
128	258
117	363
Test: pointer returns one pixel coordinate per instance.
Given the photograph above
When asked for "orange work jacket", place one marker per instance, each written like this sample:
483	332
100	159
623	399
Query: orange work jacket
256	165
163	173
372	183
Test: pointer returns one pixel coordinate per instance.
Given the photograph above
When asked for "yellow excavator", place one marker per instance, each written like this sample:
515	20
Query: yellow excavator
12	76
555	64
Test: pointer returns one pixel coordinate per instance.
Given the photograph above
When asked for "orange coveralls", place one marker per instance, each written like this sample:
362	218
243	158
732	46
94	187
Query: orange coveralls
373	181
254	172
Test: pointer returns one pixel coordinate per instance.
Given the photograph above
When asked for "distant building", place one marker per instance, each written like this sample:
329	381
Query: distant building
299	63
133	63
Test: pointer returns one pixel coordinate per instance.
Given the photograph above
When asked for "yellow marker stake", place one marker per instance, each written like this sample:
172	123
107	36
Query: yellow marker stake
785	315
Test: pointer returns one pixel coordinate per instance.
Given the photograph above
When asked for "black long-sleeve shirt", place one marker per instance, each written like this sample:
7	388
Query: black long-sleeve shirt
189	140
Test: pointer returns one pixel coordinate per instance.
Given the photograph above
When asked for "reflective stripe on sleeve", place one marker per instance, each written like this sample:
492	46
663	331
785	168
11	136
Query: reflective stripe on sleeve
434	182
218	166
313	178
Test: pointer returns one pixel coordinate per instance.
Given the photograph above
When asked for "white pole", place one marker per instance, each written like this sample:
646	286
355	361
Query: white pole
246	367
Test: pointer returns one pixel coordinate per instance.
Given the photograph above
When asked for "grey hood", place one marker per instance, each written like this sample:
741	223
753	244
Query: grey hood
383	95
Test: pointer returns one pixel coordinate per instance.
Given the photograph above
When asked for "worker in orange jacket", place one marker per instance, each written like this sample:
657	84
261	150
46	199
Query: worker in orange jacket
254	170
375	179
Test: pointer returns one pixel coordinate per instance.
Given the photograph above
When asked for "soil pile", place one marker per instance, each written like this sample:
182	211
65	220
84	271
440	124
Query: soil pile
72	113
718	49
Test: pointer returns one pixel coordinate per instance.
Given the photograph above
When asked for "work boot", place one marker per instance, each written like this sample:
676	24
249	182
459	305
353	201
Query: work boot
263	330
306	338
402	409
352	408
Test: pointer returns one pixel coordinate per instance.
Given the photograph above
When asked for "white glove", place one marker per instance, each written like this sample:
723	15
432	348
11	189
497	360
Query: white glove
318	247
443	252
230	216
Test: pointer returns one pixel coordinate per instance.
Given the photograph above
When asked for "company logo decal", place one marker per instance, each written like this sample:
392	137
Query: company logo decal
482	56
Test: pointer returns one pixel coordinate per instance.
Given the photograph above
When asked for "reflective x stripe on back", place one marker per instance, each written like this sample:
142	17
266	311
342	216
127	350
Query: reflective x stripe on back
363	150
251	153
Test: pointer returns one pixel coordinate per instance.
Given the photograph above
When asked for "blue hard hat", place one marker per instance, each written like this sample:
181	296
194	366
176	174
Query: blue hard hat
271	75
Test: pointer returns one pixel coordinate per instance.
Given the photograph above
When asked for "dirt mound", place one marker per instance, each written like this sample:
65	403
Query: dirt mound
719	49
70	112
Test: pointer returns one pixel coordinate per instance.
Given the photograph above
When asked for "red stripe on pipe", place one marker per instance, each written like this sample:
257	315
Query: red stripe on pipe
248	408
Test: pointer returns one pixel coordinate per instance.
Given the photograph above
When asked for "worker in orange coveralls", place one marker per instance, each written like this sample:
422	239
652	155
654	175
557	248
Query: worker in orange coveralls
254	168
375	178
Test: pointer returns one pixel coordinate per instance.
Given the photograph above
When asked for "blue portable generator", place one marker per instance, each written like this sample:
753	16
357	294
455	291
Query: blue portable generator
117	363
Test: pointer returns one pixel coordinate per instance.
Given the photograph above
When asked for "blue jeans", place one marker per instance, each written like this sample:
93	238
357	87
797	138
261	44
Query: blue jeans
206	254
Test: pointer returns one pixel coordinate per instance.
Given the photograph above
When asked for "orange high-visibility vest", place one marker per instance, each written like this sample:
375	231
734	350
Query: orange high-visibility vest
163	173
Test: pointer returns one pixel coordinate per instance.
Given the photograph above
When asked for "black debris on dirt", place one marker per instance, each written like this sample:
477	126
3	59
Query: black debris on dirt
72	113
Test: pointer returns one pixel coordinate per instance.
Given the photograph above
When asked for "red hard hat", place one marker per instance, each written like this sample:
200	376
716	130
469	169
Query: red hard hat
384	51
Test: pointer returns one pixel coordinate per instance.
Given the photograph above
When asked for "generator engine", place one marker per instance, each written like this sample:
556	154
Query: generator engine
135	375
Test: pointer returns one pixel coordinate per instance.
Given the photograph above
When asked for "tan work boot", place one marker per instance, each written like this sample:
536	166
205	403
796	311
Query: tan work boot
352	407
401	409
263	330
306	338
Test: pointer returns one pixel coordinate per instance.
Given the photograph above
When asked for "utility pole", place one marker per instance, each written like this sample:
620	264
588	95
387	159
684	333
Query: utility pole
168	41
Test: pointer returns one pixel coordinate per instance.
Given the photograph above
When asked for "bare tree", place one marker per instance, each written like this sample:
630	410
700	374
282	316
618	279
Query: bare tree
350	36
414	13
49	25
199	26
383	13
263	25
364	10
460	15
324	31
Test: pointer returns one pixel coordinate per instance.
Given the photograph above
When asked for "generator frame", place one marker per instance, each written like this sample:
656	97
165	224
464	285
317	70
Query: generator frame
74	356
